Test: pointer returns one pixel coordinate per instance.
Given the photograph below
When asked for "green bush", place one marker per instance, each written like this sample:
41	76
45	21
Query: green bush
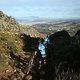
2	58
13	47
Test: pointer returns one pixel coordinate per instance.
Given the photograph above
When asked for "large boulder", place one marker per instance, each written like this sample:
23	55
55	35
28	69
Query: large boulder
77	37
60	38
62	53
30	43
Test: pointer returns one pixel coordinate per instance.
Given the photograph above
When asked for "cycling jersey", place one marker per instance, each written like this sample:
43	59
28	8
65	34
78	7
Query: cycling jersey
46	41
41	47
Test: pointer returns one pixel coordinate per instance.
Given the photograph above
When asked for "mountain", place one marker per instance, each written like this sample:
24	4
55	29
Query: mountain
50	26
9	24
19	41
72	26
32	21
11	43
28	18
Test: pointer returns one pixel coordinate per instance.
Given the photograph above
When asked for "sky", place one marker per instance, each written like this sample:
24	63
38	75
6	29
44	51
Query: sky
56	9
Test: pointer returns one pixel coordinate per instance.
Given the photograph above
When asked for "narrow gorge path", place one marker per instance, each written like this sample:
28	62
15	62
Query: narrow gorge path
34	72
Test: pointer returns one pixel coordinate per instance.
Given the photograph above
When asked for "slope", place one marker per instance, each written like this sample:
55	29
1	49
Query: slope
10	41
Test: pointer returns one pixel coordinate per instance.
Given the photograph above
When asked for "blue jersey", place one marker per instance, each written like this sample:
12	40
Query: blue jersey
41	47
46	41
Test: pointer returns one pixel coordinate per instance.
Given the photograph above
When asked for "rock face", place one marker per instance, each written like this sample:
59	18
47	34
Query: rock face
77	36
61	36
30	43
63	56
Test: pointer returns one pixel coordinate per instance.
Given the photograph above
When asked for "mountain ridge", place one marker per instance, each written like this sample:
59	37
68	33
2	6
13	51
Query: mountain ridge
10	42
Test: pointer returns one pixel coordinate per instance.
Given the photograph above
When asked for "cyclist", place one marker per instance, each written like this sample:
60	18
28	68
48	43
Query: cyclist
46	40
42	50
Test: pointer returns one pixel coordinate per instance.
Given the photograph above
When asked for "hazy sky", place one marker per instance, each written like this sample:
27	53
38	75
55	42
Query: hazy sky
41	8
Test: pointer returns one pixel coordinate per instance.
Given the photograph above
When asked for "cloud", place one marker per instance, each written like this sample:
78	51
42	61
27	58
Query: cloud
39	3
42	8
19	11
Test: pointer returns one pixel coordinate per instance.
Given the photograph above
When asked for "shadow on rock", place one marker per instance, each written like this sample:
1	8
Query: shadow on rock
30	43
63	54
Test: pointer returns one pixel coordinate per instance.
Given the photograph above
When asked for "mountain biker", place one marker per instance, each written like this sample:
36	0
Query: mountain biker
46	40
42	50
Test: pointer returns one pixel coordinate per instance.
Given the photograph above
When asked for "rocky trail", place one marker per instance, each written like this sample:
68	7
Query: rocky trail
18	43
63	59
20	68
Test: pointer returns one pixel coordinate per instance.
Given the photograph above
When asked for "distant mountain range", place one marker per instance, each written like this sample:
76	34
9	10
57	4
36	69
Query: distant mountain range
50	26
36	20
27	18
72	26
32	20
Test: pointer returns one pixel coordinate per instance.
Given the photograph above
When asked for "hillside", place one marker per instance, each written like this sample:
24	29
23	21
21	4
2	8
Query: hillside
72	26
10	42
9	24
18	43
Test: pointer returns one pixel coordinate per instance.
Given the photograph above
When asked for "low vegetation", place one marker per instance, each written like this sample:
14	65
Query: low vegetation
63	61
10	42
